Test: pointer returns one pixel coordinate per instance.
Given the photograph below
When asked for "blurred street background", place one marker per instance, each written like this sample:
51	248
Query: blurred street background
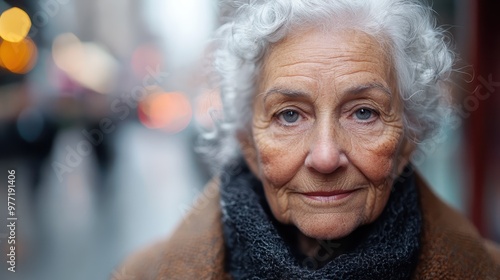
101	103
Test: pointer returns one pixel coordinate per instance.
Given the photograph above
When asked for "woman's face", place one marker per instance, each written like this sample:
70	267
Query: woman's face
327	133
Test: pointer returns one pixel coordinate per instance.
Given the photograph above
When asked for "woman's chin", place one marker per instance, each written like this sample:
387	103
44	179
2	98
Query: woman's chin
328	226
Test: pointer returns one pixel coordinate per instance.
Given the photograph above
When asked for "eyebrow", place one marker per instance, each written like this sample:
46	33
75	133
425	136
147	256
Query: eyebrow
283	91
350	91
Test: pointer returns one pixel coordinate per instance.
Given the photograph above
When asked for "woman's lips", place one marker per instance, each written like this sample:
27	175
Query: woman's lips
329	195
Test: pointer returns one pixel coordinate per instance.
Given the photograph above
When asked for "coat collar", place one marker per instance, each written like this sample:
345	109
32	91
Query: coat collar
451	246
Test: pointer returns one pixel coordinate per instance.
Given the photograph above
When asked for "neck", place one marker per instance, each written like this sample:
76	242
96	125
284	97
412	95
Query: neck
307	245
326	250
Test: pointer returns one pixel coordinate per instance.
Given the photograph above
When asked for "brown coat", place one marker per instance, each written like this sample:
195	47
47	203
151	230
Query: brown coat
451	246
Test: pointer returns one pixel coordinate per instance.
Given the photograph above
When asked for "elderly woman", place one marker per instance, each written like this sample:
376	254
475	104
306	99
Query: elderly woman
324	103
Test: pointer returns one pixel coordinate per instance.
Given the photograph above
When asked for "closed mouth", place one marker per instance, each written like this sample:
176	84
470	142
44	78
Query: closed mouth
326	196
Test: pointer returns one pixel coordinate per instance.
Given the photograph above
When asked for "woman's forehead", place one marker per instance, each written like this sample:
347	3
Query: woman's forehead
335	38
345	59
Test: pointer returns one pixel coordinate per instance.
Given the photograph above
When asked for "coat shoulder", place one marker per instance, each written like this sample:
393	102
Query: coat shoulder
194	251
451	247
494	250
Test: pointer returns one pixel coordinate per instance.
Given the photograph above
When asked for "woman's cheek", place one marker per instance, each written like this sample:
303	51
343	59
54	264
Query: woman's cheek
279	157
376	157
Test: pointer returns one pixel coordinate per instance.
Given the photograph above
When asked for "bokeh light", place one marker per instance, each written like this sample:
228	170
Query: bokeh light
14	25
18	57
86	63
1	62
30	124
170	112
67	52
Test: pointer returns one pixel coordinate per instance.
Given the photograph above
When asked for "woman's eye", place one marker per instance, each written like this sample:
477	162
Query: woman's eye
364	114
289	116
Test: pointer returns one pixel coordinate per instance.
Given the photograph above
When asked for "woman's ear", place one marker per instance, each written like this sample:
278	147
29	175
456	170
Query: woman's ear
248	150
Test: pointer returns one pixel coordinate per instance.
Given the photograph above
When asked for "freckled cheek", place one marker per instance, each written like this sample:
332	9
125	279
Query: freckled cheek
278	162
376	160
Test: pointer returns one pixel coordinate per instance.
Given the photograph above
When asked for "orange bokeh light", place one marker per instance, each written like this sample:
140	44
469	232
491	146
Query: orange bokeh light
1	63
170	112
14	25
19	57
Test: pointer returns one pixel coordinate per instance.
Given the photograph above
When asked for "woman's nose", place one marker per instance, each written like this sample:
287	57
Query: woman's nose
325	155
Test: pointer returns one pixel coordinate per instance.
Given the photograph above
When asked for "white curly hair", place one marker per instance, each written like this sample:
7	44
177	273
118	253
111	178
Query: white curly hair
406	28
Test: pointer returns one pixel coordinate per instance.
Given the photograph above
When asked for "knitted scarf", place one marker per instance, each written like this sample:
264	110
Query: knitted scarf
259	247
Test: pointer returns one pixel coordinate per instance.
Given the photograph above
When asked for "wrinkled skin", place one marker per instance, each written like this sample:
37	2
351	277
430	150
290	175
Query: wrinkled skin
327	135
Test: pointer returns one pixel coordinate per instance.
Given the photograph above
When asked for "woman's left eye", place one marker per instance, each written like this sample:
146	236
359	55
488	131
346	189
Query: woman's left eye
289	116
364	114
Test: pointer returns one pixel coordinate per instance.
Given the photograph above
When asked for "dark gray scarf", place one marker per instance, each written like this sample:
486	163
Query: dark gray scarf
258	247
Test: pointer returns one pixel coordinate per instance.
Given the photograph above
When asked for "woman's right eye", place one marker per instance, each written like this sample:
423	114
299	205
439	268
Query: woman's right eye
289	116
